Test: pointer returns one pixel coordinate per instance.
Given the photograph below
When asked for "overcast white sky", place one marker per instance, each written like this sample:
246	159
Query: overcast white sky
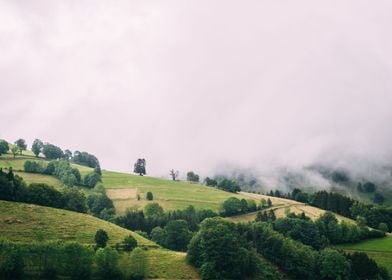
196	84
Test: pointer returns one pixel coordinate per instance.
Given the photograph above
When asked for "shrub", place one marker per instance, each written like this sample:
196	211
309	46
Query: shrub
129	243
91	179
33	167
11	261
137	264
106	261
149	196
77	260
101	238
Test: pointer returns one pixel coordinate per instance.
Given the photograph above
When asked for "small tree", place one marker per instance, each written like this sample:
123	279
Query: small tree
77	260
4	148
129	243
149	196
137	266
383	227
107	260
21	144
174	174
14	150
101	238
37	147
192	177
140	167
153	210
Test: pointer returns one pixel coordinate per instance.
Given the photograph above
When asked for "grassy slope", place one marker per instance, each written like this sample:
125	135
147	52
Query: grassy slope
282	205
20	222
169	194
378	249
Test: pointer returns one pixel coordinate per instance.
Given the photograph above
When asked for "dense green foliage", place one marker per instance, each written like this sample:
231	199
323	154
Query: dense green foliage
210	182
100	205
4	147
101	238
91	179
218	251
107	263
37	147
192	177
21	144
324	231
156	217
129	243
229	185
11	261
234	206
51	151
149	196
86	159
175	235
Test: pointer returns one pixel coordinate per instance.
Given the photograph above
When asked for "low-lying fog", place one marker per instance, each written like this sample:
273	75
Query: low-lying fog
273	88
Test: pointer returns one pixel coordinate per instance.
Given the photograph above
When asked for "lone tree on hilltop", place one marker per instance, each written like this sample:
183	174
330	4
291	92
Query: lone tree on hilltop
140	167
174	174
37	147
21	144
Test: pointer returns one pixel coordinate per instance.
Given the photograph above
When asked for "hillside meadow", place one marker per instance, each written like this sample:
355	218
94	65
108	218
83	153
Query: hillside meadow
23	223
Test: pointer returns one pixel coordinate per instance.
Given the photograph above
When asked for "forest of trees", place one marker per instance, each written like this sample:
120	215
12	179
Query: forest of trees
224	250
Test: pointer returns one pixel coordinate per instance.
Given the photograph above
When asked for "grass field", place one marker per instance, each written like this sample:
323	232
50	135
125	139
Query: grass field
379	249
20	222
169	194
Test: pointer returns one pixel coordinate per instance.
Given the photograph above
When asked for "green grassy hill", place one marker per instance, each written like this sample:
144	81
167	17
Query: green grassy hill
123	188
171	195
378	249
21	222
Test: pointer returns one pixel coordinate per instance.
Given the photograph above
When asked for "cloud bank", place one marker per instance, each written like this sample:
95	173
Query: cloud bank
198	85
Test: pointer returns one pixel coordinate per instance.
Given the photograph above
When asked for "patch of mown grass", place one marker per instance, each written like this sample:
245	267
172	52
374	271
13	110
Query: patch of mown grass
379	249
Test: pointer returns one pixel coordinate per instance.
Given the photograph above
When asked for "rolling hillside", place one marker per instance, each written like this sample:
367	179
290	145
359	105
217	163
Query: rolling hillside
281	206
171	195
124	188
20	222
